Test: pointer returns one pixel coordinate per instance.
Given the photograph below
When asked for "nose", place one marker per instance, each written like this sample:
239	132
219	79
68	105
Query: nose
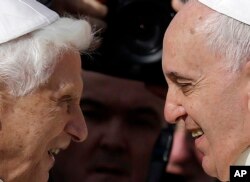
114	138
76	127
173	109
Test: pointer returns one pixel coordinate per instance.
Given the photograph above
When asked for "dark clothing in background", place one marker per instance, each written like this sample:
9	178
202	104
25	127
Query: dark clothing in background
45	2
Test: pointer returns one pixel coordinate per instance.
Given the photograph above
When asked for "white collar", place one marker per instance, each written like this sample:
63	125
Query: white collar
244	159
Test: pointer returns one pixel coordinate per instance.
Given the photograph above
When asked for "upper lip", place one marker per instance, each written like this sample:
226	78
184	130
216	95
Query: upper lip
65	146
60	146
193	129
191	126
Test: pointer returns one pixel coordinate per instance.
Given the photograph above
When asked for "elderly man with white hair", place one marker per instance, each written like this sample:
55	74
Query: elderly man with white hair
206	65
40	88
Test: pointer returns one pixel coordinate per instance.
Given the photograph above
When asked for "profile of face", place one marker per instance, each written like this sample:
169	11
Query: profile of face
211	100
184	161
38	125
124	120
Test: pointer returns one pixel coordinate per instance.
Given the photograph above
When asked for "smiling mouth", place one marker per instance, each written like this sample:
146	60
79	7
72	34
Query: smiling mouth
53	152
197	133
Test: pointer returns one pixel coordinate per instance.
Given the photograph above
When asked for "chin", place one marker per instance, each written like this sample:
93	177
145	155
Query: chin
34	177
223	176
38	175
208	167
40	178
214	171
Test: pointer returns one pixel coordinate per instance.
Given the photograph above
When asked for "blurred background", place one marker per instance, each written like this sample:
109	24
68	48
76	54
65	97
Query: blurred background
123	99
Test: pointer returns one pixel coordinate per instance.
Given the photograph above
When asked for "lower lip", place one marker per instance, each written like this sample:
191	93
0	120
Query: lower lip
198	140
51	160
198	143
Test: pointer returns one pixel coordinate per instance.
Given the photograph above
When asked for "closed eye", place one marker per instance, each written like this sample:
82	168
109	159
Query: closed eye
65	98
185	84
185	87
66	101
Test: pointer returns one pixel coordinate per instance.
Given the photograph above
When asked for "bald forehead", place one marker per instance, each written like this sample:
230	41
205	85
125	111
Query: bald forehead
191	15
184	27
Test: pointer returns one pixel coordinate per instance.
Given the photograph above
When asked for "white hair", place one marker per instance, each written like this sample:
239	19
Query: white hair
27	62
228	37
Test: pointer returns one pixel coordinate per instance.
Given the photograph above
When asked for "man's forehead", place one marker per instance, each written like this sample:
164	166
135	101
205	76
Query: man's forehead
183	39
192	14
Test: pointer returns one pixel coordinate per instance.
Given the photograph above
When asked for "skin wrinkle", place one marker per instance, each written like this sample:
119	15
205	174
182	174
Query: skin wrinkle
39	120
122	130
217	105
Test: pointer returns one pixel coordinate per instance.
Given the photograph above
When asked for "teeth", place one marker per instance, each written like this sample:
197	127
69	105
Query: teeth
197	133
54	151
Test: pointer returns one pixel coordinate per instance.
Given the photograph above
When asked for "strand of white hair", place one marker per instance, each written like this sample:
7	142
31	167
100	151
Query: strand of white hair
28	62
229	37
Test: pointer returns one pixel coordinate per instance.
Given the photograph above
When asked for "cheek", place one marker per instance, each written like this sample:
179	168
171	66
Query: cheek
54	119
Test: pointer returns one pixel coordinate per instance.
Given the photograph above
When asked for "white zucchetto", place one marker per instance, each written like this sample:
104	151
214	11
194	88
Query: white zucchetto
19	17
237	9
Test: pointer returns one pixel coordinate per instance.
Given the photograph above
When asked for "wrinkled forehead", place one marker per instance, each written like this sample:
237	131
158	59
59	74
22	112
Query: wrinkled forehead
184	44
183	38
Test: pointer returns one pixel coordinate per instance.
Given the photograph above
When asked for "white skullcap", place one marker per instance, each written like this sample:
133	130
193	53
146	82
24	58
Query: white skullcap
237	9
19	17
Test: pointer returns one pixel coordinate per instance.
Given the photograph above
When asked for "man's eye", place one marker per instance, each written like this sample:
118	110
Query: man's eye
184	84
66	101
185	87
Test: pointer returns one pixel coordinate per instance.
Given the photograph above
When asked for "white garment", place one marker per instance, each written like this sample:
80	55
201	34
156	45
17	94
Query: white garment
237	9
19	17
244	159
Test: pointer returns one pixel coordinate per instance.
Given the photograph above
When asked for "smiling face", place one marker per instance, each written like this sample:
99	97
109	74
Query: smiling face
124	120
184	160
37	125
212	101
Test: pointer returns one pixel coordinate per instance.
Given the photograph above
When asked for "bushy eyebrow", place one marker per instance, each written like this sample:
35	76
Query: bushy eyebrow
68	89
175	75
65	91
